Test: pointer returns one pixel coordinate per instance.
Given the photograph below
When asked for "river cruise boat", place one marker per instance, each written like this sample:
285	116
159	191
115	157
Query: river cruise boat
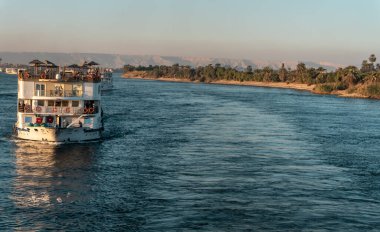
59	104
12	71
106	79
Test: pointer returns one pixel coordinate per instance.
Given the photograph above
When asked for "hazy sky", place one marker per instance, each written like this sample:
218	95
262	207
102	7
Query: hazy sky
340	31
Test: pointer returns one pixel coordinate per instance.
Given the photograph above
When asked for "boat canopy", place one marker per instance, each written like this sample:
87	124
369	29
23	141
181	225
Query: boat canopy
49	70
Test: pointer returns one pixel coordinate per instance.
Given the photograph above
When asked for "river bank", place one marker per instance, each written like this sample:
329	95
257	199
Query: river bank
283	85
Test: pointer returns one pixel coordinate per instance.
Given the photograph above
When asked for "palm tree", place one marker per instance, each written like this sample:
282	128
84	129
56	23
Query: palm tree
301	73
372	58
364	66
321	70
249	69
267	71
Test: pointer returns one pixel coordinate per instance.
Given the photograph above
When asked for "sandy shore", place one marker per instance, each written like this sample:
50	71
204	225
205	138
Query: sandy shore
268	84
283	85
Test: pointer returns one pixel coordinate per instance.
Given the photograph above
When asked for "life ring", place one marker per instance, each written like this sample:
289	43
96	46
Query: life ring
26	108
38	109
91	110
54	109
49	119
67	110
38	120
85	110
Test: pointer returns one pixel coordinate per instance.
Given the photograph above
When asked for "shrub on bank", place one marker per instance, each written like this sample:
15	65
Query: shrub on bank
325	88
372	90
352	90
341	86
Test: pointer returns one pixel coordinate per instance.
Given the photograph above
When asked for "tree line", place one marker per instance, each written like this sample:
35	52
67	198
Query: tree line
348	78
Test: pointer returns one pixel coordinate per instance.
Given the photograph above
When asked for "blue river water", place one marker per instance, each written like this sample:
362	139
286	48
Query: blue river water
190	157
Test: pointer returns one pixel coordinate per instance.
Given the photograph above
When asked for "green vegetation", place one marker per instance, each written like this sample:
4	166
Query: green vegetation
372	90
325	88
365	81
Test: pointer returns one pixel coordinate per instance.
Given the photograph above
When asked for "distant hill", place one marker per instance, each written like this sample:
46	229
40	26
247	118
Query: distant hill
118	60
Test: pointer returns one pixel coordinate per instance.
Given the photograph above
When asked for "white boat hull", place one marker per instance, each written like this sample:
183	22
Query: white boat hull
58	134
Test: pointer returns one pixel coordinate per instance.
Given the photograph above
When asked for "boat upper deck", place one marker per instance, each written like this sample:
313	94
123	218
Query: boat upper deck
49	72
57	76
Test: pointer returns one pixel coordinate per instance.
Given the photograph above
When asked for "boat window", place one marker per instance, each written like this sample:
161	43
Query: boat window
40	90
77	90
50	89
28	119
28	102
68	89
74	103
50	103
65	103
21	105
25	105
40	103
57	104
58	90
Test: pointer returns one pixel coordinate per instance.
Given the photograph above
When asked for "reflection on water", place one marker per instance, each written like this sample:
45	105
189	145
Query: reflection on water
49	174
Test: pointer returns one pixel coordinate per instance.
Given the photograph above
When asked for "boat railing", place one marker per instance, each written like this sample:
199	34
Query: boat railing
25	109
30	124
64	110
65	93
61	110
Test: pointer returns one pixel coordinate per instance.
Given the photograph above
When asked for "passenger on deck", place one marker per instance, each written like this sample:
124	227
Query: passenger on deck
64	123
